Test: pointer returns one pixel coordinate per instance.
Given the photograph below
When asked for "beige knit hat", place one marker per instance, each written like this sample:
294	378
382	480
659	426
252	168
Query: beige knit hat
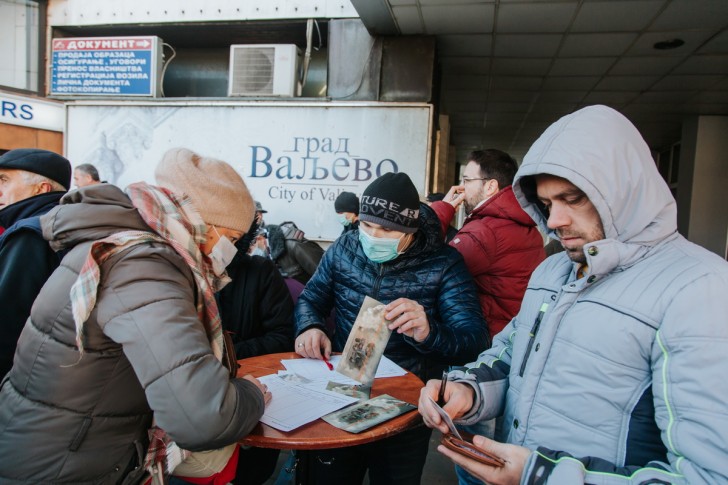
217	191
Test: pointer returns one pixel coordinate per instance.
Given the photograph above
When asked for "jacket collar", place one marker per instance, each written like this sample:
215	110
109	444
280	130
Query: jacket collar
32	206
502	205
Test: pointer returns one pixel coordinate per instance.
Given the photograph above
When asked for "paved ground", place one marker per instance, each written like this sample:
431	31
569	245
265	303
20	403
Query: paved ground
438	469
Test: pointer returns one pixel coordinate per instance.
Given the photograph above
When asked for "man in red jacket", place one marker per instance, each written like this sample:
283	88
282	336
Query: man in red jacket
499	241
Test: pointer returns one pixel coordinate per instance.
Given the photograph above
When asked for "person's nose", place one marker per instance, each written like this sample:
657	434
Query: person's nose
558	217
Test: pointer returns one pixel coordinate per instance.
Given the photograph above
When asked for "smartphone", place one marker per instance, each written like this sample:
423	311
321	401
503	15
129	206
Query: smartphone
466	448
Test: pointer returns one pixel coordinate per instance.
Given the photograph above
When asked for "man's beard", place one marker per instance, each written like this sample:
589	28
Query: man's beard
470	205
576	254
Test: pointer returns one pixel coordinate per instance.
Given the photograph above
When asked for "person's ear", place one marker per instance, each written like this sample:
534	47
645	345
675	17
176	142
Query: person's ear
42	188
491	187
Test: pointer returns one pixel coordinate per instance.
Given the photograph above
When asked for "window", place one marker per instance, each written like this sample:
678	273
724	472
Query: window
668	163
20	45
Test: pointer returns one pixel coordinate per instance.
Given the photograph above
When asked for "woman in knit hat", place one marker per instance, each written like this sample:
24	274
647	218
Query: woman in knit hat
399	258
138	338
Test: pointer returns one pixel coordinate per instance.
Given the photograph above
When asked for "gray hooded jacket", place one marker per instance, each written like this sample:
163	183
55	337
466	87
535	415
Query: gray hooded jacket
85	421
624	380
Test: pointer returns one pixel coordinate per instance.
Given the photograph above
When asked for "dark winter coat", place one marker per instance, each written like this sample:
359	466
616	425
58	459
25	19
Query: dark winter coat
295	256
429	272
26	262
501	247
257	307
65	419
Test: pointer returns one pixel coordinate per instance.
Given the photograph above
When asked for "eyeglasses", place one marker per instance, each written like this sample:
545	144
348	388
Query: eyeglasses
465	180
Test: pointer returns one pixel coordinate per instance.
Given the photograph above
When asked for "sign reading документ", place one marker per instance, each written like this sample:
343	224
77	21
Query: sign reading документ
105	66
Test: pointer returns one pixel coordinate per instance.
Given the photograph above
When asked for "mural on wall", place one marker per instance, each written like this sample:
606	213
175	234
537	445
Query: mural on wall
296	159
120	139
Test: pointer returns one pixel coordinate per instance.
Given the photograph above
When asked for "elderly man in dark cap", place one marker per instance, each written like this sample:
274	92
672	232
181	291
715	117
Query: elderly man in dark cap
32	182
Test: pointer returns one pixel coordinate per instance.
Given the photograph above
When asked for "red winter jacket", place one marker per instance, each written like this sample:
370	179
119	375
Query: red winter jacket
501	247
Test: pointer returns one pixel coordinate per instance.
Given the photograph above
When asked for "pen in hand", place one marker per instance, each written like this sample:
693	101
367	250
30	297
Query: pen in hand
328	364
441	394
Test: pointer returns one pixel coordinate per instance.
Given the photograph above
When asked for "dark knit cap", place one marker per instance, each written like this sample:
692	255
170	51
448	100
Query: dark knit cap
391	201
347	202
42	162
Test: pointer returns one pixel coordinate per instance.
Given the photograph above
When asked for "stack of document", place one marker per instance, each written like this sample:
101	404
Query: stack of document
294	404
300	395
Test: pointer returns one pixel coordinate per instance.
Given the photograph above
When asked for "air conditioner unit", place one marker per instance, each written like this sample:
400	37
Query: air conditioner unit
264	70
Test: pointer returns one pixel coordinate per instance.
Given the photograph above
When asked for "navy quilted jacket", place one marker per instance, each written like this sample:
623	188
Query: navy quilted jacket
429	272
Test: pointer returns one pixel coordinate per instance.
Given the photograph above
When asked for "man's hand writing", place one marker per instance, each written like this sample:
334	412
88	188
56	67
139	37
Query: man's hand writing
458	401
261	387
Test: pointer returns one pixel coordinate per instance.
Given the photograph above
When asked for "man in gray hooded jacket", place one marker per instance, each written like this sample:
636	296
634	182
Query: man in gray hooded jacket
614	369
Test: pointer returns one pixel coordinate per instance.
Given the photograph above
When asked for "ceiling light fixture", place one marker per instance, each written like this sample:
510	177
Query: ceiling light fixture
667	45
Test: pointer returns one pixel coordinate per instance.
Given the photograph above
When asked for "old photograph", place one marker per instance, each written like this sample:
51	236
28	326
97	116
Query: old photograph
366	343
360	392
363	416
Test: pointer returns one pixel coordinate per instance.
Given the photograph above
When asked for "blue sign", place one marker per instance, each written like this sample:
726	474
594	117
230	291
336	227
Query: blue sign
105	66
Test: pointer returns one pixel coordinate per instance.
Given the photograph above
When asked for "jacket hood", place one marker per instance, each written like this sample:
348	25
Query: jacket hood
276	241
427	238
598	150
502	205
88	214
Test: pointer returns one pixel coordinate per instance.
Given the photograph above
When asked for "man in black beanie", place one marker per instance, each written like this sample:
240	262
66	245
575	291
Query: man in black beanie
32	181
399	258
347	207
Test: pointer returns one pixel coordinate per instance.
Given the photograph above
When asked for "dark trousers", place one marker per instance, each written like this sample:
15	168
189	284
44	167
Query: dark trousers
397	460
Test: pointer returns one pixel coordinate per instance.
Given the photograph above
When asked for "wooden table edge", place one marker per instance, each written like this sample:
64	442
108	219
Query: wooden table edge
264	436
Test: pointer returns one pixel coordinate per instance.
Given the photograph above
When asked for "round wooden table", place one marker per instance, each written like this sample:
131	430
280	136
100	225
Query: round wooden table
319	434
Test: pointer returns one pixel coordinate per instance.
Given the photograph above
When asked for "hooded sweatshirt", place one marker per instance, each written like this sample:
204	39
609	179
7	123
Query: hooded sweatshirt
623	378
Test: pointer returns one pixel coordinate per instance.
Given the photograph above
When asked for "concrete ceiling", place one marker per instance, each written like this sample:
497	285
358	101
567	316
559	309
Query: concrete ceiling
509	68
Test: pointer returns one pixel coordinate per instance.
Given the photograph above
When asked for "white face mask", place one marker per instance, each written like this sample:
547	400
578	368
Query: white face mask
222	254
343	220
259	252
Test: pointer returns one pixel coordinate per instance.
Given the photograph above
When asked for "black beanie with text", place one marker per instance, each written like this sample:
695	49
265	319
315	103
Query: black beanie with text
391	201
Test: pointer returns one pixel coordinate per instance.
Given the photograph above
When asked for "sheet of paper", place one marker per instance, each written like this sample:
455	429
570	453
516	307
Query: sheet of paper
294	405
387	368
320	383
314	369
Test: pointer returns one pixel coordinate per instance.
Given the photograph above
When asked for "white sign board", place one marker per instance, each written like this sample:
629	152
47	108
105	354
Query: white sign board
295	157
31	112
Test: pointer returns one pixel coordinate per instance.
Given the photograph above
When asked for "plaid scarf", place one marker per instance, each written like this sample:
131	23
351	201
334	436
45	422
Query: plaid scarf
176	223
